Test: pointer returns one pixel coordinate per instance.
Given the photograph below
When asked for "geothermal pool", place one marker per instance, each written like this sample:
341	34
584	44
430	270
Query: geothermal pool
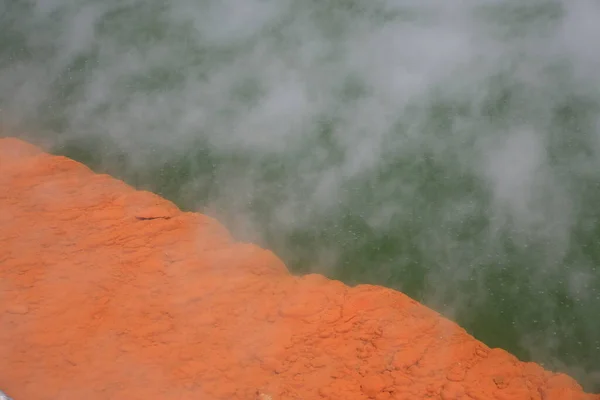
448	151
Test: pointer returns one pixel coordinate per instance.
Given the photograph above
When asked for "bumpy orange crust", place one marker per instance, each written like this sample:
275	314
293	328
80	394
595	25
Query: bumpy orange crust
111	293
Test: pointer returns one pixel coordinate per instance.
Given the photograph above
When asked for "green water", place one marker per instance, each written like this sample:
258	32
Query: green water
451	152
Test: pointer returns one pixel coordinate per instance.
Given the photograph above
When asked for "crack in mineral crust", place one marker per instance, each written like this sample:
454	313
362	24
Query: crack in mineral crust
96	306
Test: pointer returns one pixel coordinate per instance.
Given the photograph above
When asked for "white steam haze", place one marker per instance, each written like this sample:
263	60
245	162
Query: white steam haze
450	149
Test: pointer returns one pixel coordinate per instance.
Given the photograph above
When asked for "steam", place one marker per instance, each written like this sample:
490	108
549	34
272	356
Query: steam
449	150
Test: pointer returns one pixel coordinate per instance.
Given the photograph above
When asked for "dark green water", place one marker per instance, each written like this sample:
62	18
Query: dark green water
452	152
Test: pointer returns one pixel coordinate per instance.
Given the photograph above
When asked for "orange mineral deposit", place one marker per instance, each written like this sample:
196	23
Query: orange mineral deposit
111	293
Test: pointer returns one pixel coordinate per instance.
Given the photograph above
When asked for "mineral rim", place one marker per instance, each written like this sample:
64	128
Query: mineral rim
107	292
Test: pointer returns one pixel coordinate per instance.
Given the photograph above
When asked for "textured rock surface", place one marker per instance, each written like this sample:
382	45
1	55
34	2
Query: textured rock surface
111	293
